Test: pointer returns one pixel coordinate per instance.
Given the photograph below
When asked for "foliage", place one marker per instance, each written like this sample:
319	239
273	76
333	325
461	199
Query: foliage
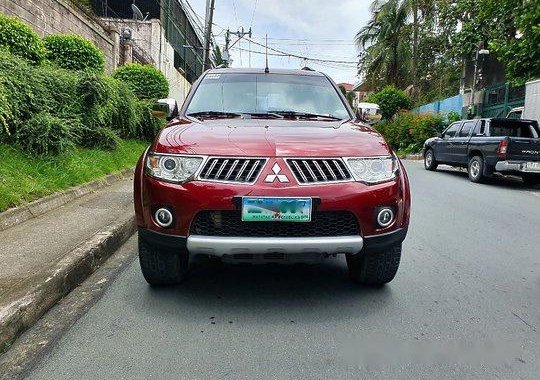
391	100
217	57
521	56
45	134
99	108
73	52
407	132
453	116
424	43
146	81
19	39
384	44
26	178
349	95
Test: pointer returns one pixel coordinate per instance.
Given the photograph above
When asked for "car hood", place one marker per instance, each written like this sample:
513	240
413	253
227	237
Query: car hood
270	138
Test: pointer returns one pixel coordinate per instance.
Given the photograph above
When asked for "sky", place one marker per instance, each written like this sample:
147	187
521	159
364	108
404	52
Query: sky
320	29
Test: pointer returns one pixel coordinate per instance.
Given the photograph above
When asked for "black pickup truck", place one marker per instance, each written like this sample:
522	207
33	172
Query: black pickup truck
487	146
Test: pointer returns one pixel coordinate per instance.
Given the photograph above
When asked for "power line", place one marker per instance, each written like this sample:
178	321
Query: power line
300	56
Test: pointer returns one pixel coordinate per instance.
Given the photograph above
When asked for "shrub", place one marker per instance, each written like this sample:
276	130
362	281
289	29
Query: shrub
391	100
146	81
73	52
103	138
19	39
453	116
109	104
407	131
148	125
32	89
45	134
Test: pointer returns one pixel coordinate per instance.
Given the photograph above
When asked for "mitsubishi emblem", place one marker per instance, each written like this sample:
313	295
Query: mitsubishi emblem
272	177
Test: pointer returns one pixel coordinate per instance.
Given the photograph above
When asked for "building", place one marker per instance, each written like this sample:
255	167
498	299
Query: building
169	36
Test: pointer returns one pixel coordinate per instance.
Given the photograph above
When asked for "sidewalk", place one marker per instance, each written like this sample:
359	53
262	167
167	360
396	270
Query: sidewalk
43	258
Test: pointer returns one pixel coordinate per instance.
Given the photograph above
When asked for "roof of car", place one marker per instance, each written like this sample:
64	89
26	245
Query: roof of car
235	70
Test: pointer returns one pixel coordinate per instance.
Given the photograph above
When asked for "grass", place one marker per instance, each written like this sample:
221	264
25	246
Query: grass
24	178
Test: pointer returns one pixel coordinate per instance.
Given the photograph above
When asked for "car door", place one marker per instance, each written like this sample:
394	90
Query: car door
442	148
458	144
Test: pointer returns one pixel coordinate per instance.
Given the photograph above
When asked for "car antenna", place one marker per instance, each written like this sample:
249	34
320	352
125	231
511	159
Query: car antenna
266	70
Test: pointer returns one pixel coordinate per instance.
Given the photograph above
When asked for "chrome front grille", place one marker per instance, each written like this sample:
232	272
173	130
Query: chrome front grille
319	170
231	169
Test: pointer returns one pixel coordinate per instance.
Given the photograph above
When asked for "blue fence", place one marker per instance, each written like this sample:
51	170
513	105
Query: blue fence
454	103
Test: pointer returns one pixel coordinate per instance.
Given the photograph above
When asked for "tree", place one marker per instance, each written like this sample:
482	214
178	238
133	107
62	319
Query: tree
383	42
391	100
349	95
217	58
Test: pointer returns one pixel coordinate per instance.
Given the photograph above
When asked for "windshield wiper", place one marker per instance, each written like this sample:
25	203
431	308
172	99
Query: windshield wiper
272	115
306	115
215	114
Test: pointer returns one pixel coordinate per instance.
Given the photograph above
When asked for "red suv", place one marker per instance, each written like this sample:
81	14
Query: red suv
269	166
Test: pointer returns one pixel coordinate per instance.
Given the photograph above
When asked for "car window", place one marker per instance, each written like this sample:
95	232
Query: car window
514	115
261	93
466	129
451	130
511	128
480	128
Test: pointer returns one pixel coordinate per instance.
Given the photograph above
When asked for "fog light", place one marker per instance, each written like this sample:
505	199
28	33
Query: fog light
385	217
163	217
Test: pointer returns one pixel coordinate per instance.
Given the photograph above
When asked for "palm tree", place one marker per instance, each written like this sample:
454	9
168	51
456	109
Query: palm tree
384	43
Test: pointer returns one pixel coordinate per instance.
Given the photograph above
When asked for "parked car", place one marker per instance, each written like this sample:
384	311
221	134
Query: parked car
487	146
269	166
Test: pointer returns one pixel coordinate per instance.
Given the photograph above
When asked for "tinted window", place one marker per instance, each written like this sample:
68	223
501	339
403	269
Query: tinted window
260	93
466	129
514	115
513	128
452	130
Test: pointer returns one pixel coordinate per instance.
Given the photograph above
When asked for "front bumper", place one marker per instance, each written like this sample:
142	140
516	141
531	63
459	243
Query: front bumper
514	166
230	246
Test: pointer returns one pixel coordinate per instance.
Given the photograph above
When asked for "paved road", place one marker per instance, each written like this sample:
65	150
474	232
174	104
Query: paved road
465	305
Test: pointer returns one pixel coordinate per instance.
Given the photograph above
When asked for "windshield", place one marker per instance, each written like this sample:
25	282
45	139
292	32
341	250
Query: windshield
238	93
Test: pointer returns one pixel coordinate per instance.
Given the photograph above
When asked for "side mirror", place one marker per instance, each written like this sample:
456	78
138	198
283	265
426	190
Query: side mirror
165	109
440	135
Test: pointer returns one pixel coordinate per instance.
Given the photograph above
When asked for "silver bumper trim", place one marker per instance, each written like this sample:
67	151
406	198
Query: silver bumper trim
222	246
513	166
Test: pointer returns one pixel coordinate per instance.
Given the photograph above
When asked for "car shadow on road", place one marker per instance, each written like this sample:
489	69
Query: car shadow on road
497	181
313	290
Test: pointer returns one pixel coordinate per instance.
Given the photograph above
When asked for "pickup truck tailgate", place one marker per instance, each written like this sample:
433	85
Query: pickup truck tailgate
525	149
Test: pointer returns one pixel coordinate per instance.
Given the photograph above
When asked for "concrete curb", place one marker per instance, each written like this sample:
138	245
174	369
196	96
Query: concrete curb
17	215
67	274
414	157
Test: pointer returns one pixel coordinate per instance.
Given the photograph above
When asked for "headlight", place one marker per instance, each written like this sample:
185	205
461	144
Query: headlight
373	170
172	168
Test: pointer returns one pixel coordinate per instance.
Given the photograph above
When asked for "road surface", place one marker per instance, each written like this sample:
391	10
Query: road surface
464	305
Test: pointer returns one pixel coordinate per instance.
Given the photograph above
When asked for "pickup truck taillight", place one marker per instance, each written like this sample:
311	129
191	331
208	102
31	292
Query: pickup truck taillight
503	147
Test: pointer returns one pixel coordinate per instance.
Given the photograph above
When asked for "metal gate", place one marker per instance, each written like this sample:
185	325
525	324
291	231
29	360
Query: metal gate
501	98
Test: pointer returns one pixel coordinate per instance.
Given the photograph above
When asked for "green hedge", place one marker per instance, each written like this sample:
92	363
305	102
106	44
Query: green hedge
73	52
391	100
407	132
46	110
146	81
19	39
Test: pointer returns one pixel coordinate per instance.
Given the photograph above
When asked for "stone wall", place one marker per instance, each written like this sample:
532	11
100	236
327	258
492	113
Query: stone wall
60	16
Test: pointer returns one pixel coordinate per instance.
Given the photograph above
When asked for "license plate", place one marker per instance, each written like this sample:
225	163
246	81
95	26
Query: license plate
264	209
534	166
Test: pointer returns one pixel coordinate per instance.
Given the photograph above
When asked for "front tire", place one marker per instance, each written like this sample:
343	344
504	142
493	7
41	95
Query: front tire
475	169
162	266
429	160
375	267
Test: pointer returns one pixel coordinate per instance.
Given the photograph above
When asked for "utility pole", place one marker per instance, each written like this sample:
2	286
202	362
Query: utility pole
208	33
240	34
